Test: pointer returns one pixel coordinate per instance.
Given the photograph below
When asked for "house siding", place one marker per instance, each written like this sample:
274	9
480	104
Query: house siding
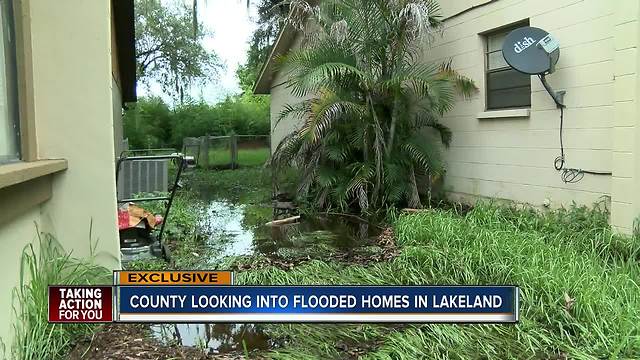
512	158
72	89
281	96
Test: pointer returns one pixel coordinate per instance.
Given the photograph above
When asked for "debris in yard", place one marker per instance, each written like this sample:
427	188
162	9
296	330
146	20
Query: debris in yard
387	241
288	220
351	350
269	261
568	302
410	210
385	249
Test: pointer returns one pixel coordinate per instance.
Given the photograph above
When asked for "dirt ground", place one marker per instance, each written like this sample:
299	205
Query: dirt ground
131	342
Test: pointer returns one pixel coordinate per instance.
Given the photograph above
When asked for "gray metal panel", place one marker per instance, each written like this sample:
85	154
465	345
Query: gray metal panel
143	177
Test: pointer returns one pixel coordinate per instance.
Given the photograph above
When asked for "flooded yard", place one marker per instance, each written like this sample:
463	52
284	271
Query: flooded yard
214	338
230	231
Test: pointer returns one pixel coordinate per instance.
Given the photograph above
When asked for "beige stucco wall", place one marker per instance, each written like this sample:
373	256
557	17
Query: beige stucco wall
625	206
14	236
74	120
512	158
116	95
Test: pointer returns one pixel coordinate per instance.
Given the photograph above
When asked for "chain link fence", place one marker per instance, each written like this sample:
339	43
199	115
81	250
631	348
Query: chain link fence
228	152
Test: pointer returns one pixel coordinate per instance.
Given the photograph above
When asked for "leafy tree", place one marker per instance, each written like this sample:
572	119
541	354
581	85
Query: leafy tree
148	124
367	137
168	50
245	115
272	15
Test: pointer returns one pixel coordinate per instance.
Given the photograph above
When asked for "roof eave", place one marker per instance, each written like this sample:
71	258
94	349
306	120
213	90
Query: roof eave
124	19
282	45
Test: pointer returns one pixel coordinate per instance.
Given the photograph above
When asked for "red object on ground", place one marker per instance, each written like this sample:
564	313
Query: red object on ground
123	219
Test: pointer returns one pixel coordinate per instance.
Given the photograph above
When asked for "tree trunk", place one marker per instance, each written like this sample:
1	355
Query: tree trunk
394	123
377	139
414	197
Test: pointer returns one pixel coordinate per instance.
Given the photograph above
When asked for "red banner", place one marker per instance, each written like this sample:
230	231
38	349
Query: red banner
80	304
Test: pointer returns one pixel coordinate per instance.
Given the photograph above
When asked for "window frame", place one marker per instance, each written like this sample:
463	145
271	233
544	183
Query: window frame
29	167
486	53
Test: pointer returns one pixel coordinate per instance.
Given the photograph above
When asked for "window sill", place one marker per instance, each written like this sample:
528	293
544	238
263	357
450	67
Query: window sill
16	173
504	114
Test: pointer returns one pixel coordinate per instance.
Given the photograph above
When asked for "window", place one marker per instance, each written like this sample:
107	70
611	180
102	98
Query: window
9	120
506	87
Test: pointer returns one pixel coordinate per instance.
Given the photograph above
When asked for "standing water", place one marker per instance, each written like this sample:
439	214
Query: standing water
232	230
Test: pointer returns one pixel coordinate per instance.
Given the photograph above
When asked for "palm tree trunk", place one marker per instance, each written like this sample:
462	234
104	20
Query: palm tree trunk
414	196
378	148
394	123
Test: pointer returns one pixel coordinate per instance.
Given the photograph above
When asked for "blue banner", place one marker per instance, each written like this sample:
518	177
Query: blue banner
318	303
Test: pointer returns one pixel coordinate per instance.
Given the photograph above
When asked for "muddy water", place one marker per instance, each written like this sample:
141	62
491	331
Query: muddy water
235	230
226	229
217	338
231	233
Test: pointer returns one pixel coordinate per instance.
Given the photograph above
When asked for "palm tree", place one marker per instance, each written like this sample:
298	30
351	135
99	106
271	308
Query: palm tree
367	139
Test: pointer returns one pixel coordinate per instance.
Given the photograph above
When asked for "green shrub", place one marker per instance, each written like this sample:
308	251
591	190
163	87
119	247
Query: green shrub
42	265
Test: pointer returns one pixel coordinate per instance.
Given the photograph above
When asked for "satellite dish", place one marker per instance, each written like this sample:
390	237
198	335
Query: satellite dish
531	51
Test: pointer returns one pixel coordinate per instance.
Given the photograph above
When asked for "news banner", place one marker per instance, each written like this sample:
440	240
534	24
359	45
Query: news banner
211	296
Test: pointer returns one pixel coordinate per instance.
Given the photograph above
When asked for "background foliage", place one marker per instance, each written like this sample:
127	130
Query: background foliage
152	124
271	17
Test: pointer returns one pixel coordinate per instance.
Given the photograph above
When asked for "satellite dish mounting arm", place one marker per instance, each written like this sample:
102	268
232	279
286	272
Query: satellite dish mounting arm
557	96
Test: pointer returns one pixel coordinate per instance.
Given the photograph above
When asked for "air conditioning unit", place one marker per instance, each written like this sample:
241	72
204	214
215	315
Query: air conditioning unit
146	176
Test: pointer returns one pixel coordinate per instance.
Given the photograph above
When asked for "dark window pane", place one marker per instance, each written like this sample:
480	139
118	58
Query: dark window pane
506	88
509	98
9	132
506	79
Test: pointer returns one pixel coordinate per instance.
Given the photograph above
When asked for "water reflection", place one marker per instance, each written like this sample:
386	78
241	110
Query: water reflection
218	338
230	234
227	233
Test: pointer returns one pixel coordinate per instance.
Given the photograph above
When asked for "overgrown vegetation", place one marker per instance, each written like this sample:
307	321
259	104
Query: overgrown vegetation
243	186
580	296
47	263
246	157
364	143
151	123
579	280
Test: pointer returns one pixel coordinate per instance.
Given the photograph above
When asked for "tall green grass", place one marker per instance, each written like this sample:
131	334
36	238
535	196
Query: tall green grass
579	281
42	265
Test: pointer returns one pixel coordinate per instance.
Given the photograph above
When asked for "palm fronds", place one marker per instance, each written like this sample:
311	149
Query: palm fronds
369	97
